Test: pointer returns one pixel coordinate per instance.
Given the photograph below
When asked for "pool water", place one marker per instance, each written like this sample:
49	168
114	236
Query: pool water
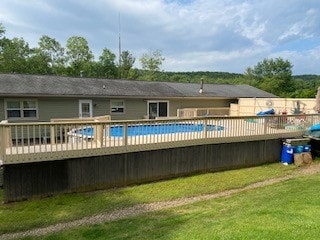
138	130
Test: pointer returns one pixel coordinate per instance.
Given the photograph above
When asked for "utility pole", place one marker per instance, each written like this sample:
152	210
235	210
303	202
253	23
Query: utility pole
119	47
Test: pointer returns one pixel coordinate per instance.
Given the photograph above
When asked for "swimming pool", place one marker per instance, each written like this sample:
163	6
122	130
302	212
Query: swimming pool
151	129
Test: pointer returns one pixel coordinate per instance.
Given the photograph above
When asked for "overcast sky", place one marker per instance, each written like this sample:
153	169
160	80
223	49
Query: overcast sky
193	35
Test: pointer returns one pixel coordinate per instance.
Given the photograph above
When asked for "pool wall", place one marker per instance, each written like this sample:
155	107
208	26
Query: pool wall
23	181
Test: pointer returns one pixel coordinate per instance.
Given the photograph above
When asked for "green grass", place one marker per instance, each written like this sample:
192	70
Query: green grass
287	210
61	208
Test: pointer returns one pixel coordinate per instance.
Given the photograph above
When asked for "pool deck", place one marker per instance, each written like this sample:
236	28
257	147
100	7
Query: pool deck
82	147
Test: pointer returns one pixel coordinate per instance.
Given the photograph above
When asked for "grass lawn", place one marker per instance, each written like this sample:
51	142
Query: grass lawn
287	210
61	208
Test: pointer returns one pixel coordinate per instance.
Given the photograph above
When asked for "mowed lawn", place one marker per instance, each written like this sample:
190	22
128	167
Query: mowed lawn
287	210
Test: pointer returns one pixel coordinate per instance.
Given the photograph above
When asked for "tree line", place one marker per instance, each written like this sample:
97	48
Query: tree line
76	59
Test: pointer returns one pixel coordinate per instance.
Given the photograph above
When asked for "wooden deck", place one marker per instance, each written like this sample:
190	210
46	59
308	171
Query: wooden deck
82	147
75	162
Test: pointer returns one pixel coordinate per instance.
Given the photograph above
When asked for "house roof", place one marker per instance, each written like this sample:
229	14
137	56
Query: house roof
44	85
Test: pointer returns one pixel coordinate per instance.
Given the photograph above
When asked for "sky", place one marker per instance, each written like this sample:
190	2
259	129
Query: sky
193	35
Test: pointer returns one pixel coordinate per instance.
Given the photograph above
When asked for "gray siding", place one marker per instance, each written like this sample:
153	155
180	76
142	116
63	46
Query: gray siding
101	106
135	109
57	108
49	108
2	113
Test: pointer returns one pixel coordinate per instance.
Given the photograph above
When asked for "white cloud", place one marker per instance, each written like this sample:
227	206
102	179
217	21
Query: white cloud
303	28
197	35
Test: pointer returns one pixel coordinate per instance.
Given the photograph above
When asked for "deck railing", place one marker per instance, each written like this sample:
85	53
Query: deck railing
201	112
31	142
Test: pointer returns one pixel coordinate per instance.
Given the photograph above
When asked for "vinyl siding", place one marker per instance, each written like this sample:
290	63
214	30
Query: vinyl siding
2	113
134	109
101	106
49	108
57	108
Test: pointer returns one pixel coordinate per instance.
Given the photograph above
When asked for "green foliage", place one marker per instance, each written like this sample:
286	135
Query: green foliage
127	61
53	51
14	56
152	61
106	67
61	208
271	75
39	62
79	55
2	30
288	210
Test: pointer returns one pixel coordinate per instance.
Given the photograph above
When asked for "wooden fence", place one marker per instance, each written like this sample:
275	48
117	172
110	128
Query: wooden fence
201	112
33	142
23	181
251	106
95	155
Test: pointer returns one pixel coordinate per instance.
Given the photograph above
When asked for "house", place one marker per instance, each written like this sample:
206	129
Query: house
41	98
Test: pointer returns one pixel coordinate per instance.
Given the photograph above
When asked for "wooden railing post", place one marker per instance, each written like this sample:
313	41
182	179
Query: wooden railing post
6	134
205	124
6	141
2	141
125	134
52	135
98	133
266	122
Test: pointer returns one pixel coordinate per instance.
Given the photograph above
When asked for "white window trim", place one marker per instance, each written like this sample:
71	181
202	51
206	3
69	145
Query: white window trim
21	100
124	107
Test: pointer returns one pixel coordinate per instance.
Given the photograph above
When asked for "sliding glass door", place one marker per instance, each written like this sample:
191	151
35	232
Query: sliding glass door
158	109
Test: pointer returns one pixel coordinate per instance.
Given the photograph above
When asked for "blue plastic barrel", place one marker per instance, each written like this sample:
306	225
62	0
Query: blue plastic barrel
298	149
307	148
287	154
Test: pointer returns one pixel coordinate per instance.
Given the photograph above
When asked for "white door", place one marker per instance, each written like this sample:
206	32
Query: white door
85	108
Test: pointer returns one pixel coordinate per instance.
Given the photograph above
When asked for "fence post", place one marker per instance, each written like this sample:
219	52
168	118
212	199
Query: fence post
2	141
6	141
205	132
52	135
266	122
98	133
125	134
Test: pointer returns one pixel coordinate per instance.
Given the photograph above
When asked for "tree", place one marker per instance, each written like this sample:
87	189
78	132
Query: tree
127	61
50	49
2	30
2	41
272	75
152	61
38	62
14	56
106	66
79	55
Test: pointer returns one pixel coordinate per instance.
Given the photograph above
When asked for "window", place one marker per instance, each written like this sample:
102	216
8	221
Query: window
21	109
117	106
158	109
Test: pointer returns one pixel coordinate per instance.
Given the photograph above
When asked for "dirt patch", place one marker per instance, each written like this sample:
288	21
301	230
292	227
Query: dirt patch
144	208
